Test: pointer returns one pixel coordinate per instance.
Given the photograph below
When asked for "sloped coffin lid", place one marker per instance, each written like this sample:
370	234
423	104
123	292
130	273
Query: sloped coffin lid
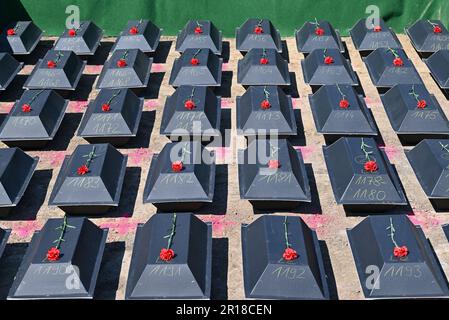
85	42
437	63
210	38
4	235
416	275
267	275
74	275
26	39
424	39
9	67
187	276
247	39
307	40
352	184
258	182
367	39
146	40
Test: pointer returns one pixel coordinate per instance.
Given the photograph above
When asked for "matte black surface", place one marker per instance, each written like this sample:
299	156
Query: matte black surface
368	40
135	75
180	191
246	39
24	41
209	38
418	275
203	120
100	187
253	120
147	38
85	42
4	235
384	74
267	275
354	186
251	72
424	39
438	66
9	68
446	230
206	73
37	126
317	73
65	76
307	40
187	275
74	275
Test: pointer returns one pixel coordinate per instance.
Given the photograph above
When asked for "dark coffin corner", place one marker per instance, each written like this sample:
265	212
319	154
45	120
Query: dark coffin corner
24	41
9	68
97	190
135	75
307	40
251	72
186	190
206	73
4	235
368	40
74	275
187	275
147	38
446	230
417	275
437	64
85	42
65	76
247	39
317	73
423	37
209	38
267	275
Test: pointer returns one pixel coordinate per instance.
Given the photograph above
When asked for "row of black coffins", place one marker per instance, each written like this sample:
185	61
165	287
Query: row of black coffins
282	259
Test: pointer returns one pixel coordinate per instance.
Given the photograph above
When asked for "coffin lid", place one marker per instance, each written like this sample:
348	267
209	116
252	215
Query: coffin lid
437	64
25	41
367	39
147	40
307	40
4	235
210	38
9	68
247	39
85	42
424	39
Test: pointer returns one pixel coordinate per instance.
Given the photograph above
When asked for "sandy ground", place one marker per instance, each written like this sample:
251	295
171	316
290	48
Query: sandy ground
228	212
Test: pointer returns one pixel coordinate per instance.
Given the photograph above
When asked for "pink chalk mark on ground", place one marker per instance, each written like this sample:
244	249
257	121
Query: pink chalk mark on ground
24	229
317	221
122	226
296	102
51	158
222	154
93	69
225	66
157	67
5	107
392	152
27	69
77	106
150	105
306	151
226	103
423	219
219	223
372	102
137	156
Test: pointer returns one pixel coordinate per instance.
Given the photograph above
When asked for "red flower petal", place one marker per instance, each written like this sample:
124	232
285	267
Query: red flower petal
133	30
121	63
400	252
53	254
11	32
166	254
370	166
258	29
194	61
397	62
51	64
421	104
263	60
319	31
105	107
265	104
273	164
344	104
377	29
328	60
198	30
82	170
290	254
72	32
177	166
189	104
26	108
437	29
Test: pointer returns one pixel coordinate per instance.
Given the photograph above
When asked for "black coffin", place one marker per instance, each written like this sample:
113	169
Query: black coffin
171	187
196	67
382	274
23	40
414	113
430	161
187	275
9	68
16	170
261	110
339	111
83	40
199	34
65	74
139	34
113	117
272	175
253	70
438	65
135	73
182	119
257	33
428	36
34	119
318	35
267	275
385	74
372	38
4	235
317	73
92	192
354	186
74	275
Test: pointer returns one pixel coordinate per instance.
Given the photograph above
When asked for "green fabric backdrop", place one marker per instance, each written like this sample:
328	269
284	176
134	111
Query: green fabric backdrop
171	15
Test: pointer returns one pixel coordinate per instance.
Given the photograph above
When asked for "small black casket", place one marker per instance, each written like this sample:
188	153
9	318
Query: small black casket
428	36
139	34
20	37
9	68
199	34
257	33
438	65
83	40
318	35
368	37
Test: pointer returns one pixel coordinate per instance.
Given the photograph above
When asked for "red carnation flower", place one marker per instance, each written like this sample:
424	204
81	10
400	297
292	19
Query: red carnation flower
51	64
166	254
265	104
328	60
397	62
263	60
189	104
319	31
400	251
198	30
437	29
290	254
26	108
106	107
258	29
82	170
133	30
121	63
344	104
194	61
377	29
176	166
273	164
11	32
72	32
421	104
53	254
370	166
